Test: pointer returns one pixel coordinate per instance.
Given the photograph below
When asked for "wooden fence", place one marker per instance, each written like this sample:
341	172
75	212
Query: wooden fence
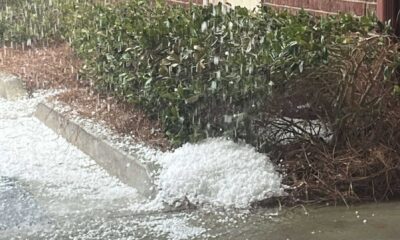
385	9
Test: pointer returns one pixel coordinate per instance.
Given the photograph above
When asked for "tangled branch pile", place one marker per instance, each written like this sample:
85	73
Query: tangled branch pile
356	98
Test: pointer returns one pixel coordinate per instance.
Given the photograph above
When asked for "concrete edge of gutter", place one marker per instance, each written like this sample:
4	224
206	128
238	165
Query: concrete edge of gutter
127	168
11	87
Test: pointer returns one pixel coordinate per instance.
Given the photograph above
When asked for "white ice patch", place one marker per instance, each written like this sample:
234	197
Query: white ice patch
33	153
69	183
22	107
217	172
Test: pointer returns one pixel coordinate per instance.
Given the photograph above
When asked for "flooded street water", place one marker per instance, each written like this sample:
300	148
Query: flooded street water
51	190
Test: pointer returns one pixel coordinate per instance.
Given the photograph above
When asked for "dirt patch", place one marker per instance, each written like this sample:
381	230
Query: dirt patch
42	68
57	67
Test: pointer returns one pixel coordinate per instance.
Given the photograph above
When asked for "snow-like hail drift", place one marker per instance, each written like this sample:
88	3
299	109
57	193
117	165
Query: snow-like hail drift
217	172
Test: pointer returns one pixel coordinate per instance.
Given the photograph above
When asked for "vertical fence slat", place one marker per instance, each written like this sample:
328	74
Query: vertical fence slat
389	10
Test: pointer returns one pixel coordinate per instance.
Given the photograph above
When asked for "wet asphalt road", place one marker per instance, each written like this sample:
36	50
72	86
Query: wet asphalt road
17	207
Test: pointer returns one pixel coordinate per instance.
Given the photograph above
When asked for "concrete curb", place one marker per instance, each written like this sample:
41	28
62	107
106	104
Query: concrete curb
11	87
127	168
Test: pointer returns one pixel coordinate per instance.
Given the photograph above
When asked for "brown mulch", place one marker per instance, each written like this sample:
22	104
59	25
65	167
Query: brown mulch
57	67
42	68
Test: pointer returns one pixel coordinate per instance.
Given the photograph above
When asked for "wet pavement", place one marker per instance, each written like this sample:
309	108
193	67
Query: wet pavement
17	207
26	218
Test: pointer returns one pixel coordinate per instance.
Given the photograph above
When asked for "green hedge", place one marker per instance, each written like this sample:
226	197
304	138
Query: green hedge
202	71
